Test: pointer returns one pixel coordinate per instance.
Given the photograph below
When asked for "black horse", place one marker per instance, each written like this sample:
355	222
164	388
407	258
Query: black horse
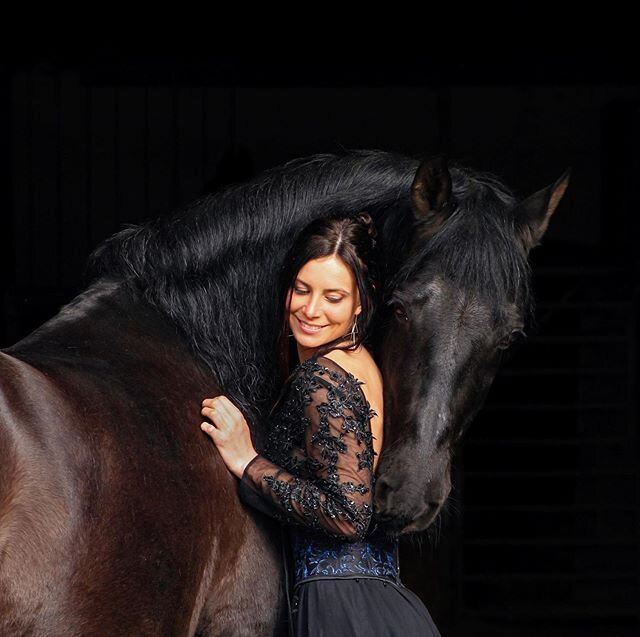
117	516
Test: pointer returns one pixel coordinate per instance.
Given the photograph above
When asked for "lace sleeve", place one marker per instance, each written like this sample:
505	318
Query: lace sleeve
339	455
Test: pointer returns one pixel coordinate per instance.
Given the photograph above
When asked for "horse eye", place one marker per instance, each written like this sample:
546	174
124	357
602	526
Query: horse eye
516	336
399	312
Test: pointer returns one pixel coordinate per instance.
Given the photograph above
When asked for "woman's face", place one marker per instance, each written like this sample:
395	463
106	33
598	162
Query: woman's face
323	302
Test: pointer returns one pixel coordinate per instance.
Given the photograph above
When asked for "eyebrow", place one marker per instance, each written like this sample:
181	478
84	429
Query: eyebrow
327	290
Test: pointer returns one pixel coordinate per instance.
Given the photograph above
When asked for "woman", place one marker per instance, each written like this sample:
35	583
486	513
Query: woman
317	473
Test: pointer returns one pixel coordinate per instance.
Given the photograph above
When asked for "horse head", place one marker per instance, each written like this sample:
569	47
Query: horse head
458	301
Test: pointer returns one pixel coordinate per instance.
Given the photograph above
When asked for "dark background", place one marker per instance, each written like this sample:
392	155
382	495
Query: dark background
542	532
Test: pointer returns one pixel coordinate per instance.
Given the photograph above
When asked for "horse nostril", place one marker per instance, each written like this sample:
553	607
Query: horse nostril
383	488
436	504
383	494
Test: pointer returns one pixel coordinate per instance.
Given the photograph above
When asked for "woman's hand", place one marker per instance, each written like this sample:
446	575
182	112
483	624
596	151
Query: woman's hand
229	432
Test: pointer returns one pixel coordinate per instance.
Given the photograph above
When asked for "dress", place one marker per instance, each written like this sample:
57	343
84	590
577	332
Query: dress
317	476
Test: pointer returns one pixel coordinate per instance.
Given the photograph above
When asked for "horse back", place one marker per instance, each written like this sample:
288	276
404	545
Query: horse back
116	514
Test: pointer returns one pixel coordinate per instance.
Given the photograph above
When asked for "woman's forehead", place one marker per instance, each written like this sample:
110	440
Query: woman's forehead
330	271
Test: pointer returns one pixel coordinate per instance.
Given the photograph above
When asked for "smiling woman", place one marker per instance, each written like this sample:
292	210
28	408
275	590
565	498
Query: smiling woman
316	474
322	304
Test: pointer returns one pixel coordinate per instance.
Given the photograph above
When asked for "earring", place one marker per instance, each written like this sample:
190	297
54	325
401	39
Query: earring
354	330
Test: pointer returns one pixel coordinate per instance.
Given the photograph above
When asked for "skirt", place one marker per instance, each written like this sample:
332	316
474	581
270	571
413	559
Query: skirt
359	607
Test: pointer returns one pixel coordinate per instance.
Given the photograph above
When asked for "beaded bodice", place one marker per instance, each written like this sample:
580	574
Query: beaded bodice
317	474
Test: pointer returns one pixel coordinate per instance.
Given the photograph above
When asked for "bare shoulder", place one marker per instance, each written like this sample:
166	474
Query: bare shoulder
359	363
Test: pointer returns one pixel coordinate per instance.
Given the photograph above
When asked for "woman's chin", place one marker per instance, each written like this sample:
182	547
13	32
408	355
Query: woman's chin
310	343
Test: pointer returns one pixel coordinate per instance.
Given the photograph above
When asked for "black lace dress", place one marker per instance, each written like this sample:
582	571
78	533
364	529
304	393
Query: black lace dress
317	476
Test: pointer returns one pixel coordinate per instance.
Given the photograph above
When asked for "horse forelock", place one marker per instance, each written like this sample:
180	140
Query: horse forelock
477	249
211	267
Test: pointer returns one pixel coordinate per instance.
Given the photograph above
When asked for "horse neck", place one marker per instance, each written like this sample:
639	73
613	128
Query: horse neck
103	322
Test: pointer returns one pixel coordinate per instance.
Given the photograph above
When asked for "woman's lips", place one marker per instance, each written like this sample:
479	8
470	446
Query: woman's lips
309	329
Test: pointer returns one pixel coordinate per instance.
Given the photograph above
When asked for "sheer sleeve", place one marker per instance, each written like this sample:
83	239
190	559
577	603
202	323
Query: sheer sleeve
337	496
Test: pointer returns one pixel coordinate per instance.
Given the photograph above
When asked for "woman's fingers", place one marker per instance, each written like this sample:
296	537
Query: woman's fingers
222	412
210	407
223	424
229	431
216	399
210	430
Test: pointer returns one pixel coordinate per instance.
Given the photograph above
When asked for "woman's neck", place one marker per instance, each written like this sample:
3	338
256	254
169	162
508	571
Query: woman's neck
305	353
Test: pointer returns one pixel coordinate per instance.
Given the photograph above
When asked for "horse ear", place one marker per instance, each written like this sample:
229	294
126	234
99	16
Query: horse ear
431	192
533	214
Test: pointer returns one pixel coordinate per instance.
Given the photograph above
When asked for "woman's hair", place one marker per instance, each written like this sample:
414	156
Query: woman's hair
352	238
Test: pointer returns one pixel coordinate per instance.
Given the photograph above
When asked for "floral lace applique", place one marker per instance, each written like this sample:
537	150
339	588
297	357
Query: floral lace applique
319	471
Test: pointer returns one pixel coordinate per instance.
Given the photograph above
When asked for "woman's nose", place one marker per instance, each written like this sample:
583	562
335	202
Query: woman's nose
311	308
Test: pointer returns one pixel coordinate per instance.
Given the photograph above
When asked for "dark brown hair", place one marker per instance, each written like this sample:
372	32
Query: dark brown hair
352	238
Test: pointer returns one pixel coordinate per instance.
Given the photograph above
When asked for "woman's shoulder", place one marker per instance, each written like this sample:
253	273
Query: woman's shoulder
359	364
325	371
358	367
359	377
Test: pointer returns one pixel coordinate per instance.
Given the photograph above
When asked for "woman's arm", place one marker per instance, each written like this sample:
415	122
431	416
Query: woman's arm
339	448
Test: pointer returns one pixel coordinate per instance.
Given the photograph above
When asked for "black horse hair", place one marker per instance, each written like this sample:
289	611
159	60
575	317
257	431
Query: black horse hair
199	266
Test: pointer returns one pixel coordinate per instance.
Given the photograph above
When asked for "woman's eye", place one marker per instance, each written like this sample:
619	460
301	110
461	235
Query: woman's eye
333	299
299	290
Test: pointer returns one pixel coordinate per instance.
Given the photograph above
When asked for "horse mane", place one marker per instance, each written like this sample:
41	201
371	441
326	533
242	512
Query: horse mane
476	248
213	266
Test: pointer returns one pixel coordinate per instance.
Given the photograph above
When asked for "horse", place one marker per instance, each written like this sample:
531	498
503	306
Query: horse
117	515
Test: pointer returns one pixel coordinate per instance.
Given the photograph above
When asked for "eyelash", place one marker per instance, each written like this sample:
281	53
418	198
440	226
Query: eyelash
331	300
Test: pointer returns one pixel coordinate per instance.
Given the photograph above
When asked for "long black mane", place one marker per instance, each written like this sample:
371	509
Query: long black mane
212	267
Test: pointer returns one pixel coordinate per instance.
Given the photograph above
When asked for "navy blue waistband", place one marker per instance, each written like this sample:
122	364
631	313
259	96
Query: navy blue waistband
317	556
